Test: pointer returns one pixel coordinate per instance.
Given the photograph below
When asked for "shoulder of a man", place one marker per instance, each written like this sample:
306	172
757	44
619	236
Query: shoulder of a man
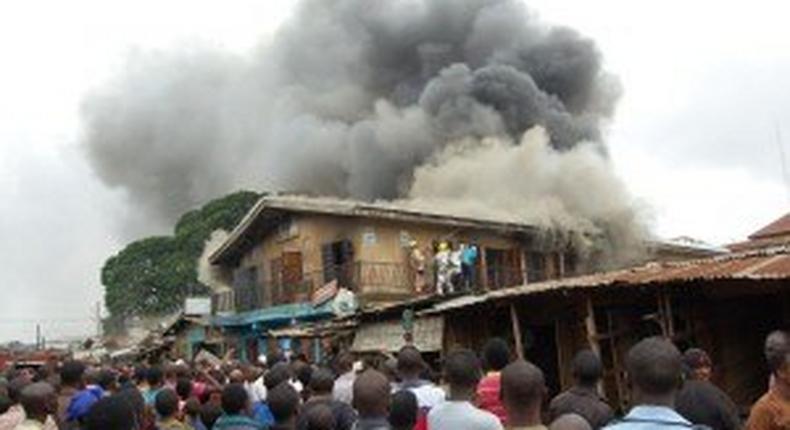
763	414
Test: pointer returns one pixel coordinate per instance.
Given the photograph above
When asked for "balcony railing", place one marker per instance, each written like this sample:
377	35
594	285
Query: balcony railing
360	277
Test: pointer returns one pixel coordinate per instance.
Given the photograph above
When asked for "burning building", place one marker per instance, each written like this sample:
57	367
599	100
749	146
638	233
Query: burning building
292	254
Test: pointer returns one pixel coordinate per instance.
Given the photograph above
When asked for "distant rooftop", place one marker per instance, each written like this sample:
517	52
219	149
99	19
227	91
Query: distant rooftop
780	227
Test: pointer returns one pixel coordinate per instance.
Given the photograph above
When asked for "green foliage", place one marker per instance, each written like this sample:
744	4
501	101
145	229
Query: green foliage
153	275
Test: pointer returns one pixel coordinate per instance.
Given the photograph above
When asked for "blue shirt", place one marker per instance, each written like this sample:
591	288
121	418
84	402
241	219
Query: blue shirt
262	413
645	417
469	255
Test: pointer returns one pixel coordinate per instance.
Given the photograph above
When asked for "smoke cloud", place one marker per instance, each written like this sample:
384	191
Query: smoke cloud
368	100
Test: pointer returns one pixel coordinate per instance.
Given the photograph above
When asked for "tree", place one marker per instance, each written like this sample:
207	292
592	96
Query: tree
153	275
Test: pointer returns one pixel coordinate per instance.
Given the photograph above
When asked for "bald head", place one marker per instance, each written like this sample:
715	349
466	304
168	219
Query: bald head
777	348
655	366
372	394
522	384
39	400
570	422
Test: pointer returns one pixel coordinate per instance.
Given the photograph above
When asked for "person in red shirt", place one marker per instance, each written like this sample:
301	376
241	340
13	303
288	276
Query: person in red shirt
496	356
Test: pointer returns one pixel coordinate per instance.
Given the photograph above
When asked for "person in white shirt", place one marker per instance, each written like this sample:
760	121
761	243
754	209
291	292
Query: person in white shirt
462	371
410	366
343	390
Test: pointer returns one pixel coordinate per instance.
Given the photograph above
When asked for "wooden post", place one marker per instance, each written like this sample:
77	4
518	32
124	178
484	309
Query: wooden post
592	331
516	331
522	260
561	368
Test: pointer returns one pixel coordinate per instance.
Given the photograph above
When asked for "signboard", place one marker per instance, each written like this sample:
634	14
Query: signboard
369	237
427	335
197	306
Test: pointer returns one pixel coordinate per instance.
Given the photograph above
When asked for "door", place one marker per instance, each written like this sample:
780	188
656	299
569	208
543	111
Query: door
292	277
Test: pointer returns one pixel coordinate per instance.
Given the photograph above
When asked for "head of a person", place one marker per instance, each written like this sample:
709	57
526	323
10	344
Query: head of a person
283	402
496	354
237	376
71	374
107	379
16	386
344	363
279	373
114	412
184	388
697	364
274	357
522	391
303	372
166	403
655	370
192	407
462	372
209	414
322	381
570	422
587	368
91	376
39	400
235	400
140	375
371	394
135	400
410	362
777	349
403	410
155	377
320	417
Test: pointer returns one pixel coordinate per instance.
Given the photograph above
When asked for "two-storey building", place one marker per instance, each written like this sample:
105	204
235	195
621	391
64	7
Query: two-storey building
290	254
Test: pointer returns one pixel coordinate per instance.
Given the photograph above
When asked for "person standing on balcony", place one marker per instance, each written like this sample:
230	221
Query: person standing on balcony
417	264
442	263
468	264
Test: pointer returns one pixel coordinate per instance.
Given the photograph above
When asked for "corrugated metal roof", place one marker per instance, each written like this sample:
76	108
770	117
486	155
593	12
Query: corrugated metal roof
764	264
776	228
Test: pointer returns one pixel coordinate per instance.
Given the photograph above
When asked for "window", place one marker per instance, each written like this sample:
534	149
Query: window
286	278
536	267
245	287
337	259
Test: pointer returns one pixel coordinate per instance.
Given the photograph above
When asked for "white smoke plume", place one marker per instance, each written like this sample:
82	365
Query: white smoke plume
357	98
208	274
572	193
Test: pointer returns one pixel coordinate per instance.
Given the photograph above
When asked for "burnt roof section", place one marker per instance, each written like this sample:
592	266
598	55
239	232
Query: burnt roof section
779	227
269	211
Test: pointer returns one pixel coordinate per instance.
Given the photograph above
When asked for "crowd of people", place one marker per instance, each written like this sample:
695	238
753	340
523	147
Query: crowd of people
487	391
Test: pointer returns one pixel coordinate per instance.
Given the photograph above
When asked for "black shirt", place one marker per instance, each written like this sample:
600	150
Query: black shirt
703	403
585	402
344	414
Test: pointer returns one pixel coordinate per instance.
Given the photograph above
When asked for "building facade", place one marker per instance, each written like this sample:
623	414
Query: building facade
290	255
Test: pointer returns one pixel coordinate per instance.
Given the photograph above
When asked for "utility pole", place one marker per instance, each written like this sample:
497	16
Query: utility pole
98	320
38	336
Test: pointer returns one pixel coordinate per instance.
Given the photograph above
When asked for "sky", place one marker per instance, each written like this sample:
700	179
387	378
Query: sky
697	136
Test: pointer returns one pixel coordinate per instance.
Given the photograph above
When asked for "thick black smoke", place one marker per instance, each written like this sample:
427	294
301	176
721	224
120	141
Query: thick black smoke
348	99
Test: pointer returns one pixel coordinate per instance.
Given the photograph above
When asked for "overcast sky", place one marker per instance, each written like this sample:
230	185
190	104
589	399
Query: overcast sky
706	92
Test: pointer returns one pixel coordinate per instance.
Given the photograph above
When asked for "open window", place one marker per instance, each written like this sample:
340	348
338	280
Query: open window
337	260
